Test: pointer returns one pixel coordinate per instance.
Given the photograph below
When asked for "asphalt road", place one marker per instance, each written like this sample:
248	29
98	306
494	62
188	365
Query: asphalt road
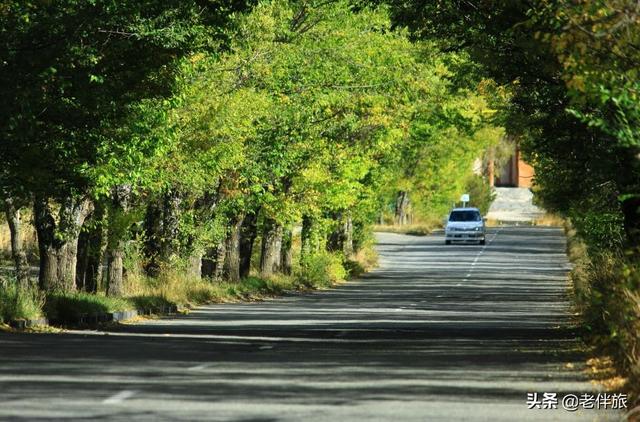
460	332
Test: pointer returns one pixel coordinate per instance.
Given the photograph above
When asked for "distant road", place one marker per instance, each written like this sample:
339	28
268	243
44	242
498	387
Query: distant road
437	333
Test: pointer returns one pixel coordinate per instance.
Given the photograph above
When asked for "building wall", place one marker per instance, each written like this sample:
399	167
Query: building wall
525	174
508	174
515	173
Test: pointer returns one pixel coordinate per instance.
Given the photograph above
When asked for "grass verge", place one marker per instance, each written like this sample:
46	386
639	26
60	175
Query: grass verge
176	290
606	295
549	220
73	306
19	303
410	229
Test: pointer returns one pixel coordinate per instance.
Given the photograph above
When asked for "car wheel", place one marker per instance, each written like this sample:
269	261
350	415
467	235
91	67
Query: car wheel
447	242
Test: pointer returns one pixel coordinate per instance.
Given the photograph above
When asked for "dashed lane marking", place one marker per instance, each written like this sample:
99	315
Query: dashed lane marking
475	261
199	367
119	397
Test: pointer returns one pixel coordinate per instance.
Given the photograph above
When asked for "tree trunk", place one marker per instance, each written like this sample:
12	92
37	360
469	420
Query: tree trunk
310	238
491	167
286	252
248	235
58	241
213	261
335	240
341	238
195	266
347	243
232	249
402	208
162	224
170	224
18	254
271	247
118	228
97	252
83	259
91	249
115	269
152	238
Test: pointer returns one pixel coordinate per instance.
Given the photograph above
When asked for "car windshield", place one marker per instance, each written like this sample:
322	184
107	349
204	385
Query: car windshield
465	216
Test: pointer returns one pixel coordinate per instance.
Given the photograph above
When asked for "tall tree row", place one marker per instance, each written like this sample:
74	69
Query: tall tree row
73	77
204	136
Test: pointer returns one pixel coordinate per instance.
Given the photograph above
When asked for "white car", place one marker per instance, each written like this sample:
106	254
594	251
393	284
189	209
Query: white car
465	225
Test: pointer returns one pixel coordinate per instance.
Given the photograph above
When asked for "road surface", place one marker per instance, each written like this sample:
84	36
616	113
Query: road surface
437	333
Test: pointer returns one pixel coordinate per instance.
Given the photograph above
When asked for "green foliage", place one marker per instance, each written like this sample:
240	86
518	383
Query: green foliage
480	193
290	109
606	289
72	75
596	44
73	306
306	113
322	270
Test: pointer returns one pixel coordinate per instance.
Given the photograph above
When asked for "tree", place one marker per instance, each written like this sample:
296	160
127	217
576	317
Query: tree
70	76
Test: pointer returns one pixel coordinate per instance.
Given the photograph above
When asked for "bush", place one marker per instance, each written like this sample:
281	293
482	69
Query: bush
322	270
19	303
480	193
174	287
606	286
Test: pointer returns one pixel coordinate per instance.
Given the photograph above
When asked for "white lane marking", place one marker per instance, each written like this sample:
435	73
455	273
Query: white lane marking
119	397
268	347
475	261
277	339
199	367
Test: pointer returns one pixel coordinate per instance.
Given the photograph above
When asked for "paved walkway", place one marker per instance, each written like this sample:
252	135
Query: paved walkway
513	205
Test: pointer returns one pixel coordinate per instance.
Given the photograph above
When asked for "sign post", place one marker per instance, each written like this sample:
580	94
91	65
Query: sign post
464	198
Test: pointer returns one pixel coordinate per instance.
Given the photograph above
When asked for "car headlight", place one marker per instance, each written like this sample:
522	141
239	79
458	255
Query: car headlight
478	229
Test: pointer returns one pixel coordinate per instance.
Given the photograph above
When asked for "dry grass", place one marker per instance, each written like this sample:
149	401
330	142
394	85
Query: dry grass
549	220
602	371
421	229
367	257
174	287
29	239
605	289
490	222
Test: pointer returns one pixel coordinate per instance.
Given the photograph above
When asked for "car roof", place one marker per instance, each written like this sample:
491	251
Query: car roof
465	209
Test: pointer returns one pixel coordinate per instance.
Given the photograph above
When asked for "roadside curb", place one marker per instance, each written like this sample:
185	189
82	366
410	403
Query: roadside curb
91	320
94	320
22	324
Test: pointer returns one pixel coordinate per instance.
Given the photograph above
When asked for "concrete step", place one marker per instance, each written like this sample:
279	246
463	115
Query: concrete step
514	204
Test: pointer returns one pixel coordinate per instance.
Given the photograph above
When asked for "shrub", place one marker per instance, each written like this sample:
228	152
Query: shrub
480	193
19	303
322	270
606	286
